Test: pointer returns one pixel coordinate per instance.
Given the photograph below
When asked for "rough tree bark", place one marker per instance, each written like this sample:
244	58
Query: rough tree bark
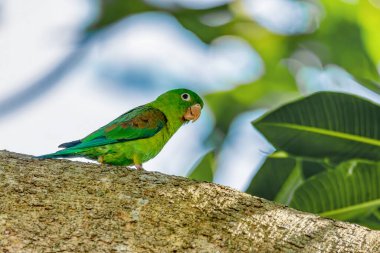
58	205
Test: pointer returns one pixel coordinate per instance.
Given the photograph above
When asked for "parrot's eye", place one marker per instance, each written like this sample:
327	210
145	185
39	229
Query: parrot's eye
185	96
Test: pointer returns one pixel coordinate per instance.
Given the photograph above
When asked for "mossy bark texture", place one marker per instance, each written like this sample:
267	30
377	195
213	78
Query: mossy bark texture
64	206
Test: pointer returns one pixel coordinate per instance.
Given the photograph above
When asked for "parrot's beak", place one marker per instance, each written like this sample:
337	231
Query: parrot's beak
193	112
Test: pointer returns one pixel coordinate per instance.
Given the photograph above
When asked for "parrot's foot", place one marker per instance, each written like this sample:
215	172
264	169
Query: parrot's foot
139	167
100	159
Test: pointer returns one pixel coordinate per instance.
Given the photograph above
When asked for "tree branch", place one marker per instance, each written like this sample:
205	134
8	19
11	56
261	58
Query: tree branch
58	205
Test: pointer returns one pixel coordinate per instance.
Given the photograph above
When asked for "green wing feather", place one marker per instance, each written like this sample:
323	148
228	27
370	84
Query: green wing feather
139	123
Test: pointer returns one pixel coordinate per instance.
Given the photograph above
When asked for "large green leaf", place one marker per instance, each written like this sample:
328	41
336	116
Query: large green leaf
311	168
350	191
277	179
280	176
372	221
325	125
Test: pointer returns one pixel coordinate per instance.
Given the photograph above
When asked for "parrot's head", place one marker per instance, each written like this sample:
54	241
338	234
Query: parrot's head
183	103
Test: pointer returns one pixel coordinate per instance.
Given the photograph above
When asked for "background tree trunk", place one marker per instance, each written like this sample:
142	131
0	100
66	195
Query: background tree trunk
58	205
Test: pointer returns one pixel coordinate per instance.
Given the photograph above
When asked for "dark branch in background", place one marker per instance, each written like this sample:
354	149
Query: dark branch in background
47	82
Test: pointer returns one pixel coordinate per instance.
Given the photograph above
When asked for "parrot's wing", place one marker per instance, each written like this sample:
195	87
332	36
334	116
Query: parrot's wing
139	123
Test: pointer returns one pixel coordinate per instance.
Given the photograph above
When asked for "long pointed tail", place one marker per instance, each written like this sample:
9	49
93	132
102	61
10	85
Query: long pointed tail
58	154
48	156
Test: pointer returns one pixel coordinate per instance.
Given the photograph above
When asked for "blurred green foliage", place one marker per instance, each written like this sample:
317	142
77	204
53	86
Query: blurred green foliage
205	169
307	175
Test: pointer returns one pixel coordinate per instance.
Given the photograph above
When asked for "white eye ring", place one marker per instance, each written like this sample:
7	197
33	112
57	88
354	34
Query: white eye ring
185	97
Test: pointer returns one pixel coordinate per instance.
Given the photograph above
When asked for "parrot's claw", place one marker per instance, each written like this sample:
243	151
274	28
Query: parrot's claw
139	167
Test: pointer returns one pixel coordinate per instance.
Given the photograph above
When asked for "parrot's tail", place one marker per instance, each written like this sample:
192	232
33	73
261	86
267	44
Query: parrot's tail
48	156
58	154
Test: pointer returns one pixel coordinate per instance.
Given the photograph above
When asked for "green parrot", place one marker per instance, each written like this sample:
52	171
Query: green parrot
139	134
